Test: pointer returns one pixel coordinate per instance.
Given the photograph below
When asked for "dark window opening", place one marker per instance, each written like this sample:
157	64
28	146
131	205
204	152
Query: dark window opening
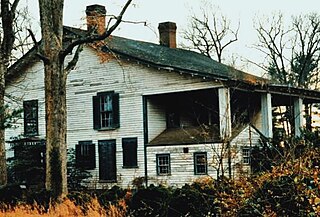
85	155
106	110
30	111
107	160
129	147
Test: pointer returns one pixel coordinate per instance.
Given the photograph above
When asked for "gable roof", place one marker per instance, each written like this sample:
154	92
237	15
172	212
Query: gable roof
172	59
175	59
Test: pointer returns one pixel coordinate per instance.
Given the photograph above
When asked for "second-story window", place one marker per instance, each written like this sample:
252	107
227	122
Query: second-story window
106	110
30	117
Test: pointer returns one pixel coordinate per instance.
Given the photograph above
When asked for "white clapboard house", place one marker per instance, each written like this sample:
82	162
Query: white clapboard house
139	110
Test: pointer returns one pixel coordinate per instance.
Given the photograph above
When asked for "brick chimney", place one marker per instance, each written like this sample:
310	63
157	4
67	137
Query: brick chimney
167	32
96	18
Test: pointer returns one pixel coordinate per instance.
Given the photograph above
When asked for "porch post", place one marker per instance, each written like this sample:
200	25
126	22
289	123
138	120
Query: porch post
224	112
266	110
298	117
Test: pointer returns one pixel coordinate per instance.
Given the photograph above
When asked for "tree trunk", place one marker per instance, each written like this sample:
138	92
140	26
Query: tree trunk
51	12
3	161
56	116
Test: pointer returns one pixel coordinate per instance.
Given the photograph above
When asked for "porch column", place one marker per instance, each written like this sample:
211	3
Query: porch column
266	110
298	117
224	112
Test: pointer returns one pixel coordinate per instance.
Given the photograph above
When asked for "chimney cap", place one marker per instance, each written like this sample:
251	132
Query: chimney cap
93	9
167	26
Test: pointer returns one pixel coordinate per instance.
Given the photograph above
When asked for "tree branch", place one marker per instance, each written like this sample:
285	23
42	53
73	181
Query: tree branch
92	38
36	45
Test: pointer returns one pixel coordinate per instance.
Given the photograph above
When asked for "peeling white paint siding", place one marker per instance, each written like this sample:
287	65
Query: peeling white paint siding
249	138
156	119
90	76
182	164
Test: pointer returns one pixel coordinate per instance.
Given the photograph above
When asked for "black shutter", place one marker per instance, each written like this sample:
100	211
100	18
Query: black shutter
129	147
96	112
92	157
116	111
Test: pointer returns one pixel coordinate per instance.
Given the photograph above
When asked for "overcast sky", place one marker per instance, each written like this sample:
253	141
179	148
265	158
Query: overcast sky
155	11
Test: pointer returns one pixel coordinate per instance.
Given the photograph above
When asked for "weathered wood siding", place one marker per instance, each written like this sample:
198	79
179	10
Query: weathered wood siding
91	76
182	164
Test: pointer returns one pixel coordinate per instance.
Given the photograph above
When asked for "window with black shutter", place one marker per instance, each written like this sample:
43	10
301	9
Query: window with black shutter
85	155
106	110
129	148
30	117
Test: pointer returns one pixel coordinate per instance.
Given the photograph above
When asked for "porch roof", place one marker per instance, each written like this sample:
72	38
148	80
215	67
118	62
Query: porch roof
187	135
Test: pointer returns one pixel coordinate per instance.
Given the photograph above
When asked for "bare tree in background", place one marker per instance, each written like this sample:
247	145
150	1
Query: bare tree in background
210	34
293	52
12	42
53	54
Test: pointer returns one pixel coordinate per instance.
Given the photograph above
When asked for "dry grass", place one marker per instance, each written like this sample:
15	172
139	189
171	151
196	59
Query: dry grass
68	209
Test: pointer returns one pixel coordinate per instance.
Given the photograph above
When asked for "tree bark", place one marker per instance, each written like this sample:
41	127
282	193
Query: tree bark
51	15
3	161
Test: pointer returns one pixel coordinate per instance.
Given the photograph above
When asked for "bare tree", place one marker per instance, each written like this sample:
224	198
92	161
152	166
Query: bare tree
292	52
9	34
211	33
53	55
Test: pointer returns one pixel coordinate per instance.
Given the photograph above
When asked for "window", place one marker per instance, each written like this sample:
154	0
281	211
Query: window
30	111
129	147
163	164
85	155
200	163
106	110
107	160
173	119
246	155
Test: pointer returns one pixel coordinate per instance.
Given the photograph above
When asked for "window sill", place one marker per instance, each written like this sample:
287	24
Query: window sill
130	167
168	174
107	128
107	181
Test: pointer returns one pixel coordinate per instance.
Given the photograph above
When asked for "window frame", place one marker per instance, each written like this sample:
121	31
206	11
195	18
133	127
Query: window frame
85	155
99	110
130	146
198	164
168	165
246	155
27	106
